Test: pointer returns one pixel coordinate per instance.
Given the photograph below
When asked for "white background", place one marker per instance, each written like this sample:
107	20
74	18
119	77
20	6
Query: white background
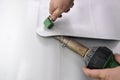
26	56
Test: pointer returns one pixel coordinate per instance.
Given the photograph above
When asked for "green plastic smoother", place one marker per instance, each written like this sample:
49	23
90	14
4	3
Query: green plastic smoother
48	23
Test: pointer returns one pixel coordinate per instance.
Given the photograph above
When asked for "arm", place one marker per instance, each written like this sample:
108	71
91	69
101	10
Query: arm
104	74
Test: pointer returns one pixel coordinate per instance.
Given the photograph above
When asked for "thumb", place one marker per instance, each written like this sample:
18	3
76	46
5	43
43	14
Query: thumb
117	57
94	73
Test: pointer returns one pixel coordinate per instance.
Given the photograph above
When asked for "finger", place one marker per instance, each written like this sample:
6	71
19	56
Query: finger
69	8
67	11
60	16
56	13
72	5
117	57
51	8
97	74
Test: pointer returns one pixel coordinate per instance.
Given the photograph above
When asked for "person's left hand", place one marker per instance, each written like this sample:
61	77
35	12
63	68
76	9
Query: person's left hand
104	74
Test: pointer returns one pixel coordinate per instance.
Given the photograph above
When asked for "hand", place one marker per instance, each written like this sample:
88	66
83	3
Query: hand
104	74
57	7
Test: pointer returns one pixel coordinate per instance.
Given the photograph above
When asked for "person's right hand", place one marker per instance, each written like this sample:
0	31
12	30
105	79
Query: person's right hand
104	74
57	7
